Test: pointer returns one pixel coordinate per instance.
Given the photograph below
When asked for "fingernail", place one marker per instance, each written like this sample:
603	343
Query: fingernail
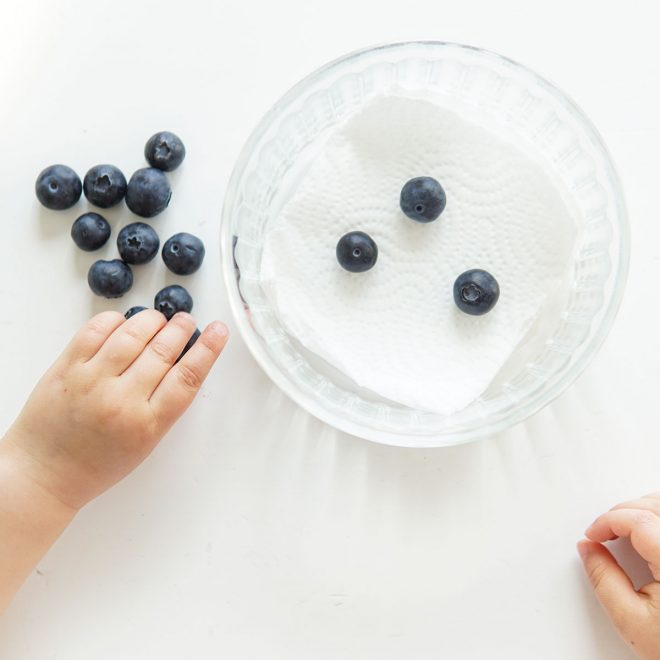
184	315
583	549
219	328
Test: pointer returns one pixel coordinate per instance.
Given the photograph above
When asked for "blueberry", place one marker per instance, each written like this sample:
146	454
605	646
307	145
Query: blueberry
190	343
104	185
165	151
137	243
423	199
110	279
476	292
148	192
90	231
357	252
173	299
183	253
133	311
58	187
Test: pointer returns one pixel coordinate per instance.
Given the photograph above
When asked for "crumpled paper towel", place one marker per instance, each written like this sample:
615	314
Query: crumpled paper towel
395	329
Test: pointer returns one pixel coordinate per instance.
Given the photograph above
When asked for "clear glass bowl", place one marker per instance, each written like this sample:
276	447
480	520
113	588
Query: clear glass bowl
495	91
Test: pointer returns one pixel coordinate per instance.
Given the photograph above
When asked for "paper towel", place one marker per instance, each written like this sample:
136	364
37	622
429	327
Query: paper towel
395	329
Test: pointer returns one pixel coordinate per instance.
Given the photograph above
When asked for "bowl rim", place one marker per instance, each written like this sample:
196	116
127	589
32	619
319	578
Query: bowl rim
560	381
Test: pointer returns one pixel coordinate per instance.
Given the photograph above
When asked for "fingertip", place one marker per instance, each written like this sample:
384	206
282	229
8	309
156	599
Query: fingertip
596	559
109	317
112	313
590	551
183	316
219	328
596	535
590	530
583	548
600	529
154	316
216	335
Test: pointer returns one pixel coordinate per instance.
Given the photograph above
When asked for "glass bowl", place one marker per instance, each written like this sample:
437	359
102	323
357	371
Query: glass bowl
493	90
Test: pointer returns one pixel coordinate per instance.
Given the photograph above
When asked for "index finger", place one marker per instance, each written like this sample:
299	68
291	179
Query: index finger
641	525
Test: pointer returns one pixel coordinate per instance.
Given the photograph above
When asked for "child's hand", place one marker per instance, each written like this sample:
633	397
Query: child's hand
636	615
108	400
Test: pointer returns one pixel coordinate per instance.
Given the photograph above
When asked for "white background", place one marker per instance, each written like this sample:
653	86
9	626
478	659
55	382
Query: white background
254	531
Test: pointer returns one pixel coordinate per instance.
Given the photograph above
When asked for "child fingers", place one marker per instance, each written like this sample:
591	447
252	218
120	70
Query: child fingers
89	339
641	525
158	356
179	387
128	341
612	586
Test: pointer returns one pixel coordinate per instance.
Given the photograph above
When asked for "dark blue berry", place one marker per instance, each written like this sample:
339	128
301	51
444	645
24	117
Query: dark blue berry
190	343
104	186
476	292
137	243
148	192
173	299
165	151
110	279
357	252
90	231
133	311
58	187
183	253
423	199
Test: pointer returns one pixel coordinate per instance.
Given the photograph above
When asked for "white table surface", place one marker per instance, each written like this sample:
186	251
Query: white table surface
255	531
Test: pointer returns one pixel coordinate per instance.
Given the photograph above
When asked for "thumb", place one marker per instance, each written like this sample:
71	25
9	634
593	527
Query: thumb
612	586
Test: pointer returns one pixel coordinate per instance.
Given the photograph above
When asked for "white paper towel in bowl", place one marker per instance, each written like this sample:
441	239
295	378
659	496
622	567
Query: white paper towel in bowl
395	329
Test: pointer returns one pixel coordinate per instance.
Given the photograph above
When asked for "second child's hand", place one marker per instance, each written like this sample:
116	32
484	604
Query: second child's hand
635	614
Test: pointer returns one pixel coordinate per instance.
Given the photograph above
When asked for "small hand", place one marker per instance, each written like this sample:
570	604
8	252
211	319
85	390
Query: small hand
635	614
108	399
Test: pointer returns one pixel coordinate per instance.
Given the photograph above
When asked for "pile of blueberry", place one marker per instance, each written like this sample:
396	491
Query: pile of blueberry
146	194
422	199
